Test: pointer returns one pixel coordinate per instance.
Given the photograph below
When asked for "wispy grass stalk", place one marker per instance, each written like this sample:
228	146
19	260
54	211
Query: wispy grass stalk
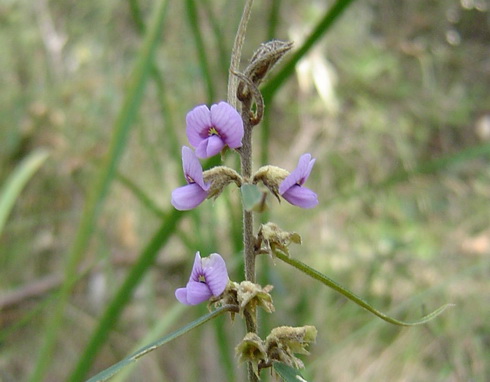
100	187
193	19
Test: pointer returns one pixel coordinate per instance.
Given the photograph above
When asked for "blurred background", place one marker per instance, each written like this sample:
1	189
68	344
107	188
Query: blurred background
392	101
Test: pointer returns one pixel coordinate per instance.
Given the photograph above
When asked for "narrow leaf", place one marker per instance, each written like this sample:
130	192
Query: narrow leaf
172	316
288	373
16	182
352	296
111	371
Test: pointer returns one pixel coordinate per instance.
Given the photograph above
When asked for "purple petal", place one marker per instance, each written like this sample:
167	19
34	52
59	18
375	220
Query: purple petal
209	147
299	175
192	168
197	292
215	273
198	122
196	268
188	197
301	196
228	123
181	295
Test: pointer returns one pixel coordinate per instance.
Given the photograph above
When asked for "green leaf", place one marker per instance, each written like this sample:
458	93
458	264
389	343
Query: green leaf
252	197
16	182
172	316
352	296
111	371
288	373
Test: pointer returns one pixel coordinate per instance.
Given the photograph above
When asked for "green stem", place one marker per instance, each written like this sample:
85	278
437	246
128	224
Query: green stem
313	273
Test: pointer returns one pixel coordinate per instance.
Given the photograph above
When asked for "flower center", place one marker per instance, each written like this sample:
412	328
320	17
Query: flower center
189	179
213	131
201	279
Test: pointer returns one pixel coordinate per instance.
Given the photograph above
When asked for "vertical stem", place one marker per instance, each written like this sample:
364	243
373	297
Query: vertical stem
248	220
236	53
246	169
248	227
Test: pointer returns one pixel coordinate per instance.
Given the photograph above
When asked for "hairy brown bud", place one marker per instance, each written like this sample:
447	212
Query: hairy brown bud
248	296
271	238
285	341
251	349
220	177
272	177
264	59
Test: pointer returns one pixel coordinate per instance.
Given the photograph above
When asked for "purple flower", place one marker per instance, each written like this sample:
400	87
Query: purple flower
209	277
209	131
292	188
196	191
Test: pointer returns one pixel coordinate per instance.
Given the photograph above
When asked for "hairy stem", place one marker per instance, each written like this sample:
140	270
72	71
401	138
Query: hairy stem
236	54
246	168
248	226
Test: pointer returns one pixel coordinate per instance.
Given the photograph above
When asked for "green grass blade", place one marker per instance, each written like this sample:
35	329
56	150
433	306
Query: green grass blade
313	273
172	316
124	294
322	27
171	141
16	182
108	373
219	36
193	19
100	187
273	19
142	197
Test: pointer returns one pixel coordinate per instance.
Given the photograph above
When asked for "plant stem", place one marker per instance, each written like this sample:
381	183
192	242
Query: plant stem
246	169
236	53
248	226
248	219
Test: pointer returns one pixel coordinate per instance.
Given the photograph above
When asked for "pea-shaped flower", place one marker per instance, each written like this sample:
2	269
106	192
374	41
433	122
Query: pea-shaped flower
210	130
209	277
196	191
292	188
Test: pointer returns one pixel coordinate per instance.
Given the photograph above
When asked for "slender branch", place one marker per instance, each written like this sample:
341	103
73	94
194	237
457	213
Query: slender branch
236	53
313	273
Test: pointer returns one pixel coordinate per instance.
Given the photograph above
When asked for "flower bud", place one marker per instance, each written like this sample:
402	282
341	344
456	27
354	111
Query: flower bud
283	342
251	349
219	177
271	177
264	59
271	238
248	296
